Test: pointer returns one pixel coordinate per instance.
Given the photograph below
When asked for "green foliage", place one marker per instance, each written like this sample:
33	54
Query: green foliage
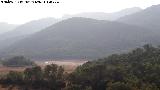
34	73
17	61
49	78
54	76
14	76
135	70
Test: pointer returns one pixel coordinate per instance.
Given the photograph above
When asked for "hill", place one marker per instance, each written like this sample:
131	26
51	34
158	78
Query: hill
24	30
106	16
148	18
135	70
138	69
29	28
81	38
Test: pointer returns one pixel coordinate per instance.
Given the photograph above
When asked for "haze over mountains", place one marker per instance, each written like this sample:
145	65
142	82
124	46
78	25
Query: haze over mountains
5	27
106	16
81	37
148	18
30	28
25	30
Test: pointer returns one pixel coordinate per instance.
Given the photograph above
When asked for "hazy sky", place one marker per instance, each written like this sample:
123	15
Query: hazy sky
21	13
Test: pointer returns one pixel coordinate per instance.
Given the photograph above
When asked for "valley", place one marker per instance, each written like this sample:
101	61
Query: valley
84	51
68	65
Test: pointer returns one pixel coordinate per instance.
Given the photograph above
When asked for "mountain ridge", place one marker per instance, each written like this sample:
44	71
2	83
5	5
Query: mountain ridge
106	16
79	38
148	18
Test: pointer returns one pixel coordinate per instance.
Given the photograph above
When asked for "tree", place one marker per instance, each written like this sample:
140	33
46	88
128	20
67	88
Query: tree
17	61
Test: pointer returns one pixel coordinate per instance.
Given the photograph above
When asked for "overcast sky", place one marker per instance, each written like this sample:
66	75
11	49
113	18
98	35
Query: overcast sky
21	13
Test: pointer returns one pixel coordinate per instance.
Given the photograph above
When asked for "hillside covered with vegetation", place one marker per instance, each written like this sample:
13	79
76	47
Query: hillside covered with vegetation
135	70
81	38
17	61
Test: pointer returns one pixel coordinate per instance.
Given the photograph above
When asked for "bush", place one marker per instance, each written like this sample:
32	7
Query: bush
17	61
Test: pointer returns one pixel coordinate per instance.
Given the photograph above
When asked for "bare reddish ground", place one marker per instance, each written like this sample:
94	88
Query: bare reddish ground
8	88
69	65
4	70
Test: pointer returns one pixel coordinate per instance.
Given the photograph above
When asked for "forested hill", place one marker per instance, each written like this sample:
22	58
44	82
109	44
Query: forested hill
148	18
136	70
81	37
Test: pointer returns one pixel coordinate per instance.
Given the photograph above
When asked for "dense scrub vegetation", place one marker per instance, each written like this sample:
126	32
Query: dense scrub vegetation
135	70
36	78
17	61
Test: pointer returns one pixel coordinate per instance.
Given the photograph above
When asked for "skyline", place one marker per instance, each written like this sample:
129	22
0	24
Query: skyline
22	13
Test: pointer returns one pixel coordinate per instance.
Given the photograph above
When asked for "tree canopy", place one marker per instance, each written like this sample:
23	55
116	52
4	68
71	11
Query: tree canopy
138	69
17	61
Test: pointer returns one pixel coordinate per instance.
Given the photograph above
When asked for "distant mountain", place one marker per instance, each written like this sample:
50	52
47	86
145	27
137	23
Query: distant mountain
29	28
24	30
106	16
5	27
148	18
81	37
